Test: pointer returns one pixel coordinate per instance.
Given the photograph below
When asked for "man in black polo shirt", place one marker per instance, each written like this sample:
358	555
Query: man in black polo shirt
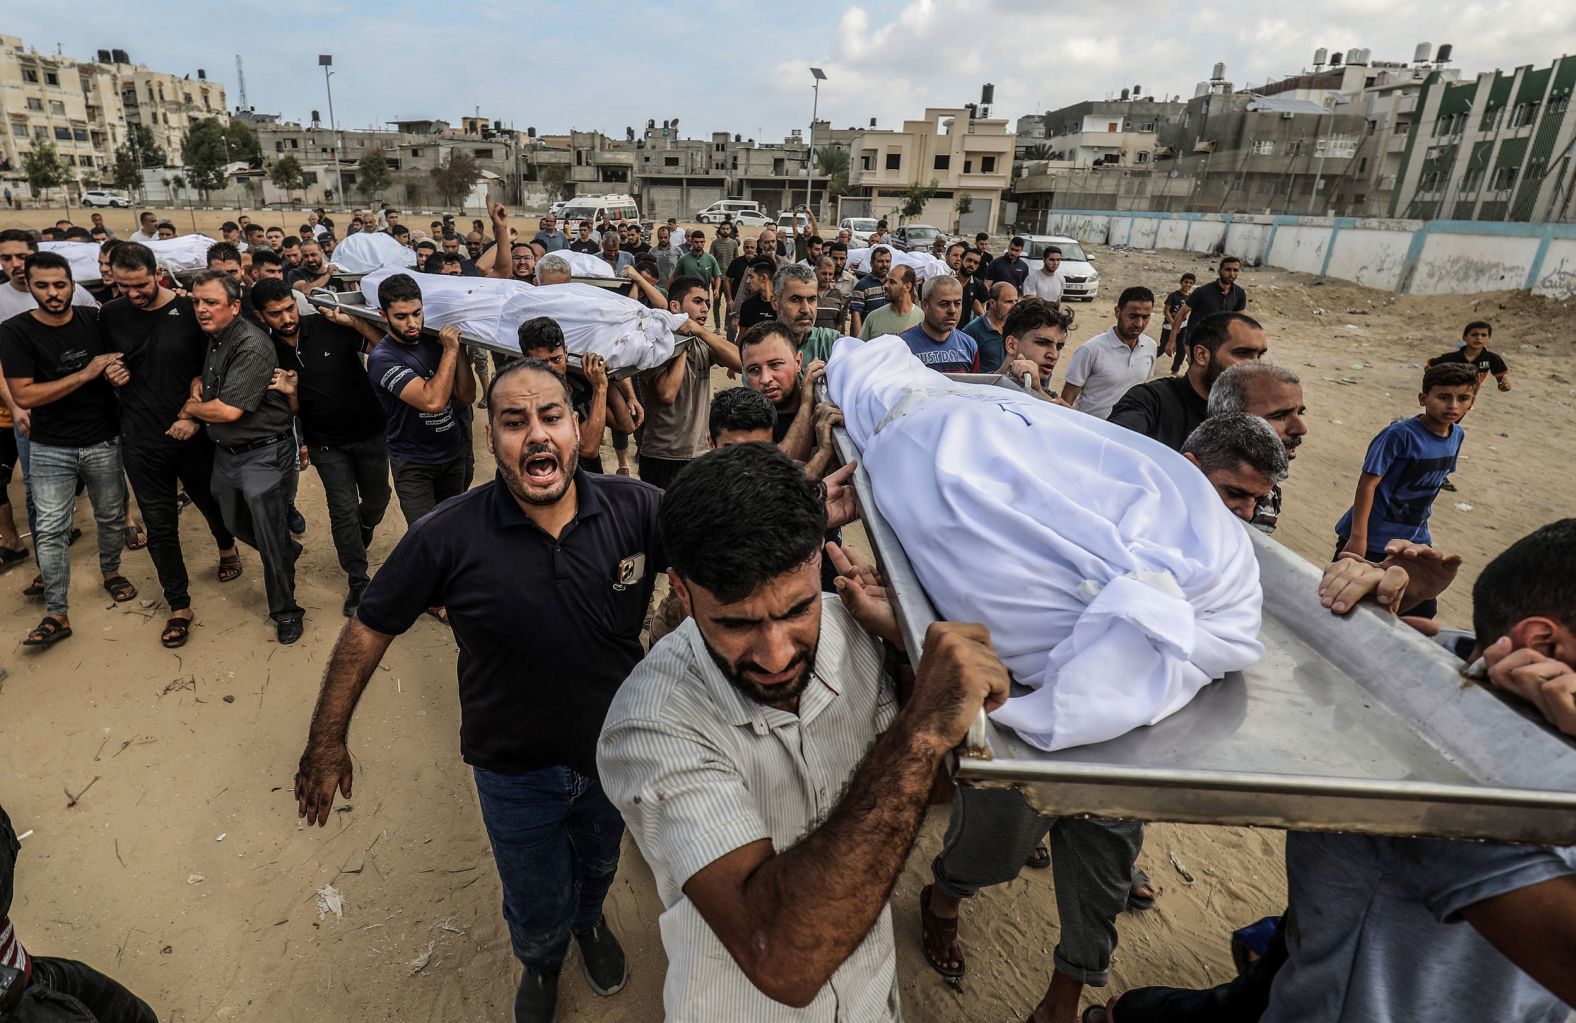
597	403
1009	266
1223	295
156	331
342	428
249	420
313	271
1167	408
547	574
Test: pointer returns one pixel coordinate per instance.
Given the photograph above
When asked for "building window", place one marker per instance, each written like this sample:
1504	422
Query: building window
1428	182
1263	147
34	103
187	96
18	128
1362	165
968	166
415	154
63	134
987	165
865	160
482	154
50	78
1503	178
279	146
30	76
670	161
310	177
1143	157
80	134
894	161
1402	127
1491	118
1293	148
942	163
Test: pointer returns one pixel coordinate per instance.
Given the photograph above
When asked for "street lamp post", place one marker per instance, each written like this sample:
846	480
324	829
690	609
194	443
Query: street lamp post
326	60
809	149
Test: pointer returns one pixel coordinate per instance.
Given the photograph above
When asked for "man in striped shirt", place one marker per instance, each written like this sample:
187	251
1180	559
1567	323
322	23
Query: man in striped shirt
761	759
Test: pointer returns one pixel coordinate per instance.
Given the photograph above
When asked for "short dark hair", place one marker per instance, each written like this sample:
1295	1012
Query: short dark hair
837	246
1050	249
1233	438
290	242
983	236
46	261
739	517
647	263
1188	277
232	287
878	250
79	234
229	225
767	329
538	333
400	231
133	256
1016	240
680	287
262	255
271	290
1449	374
764	265
1533	577
1478	325
905	274
18	234
815	239
520	366
1032	314
223	252
398	288
1213	330
1228	259
1137	293
740	409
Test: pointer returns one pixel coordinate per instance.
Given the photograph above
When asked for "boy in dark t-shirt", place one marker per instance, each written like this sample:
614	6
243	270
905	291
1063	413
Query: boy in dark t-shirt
1474	352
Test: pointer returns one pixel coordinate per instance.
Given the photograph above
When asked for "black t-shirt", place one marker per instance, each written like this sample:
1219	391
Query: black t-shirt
1174	301
164	351
585	246
784	422
33	350
1166	410
755	310
337	403
1208	299
547	629
975	290
638	249
1486	361
735	273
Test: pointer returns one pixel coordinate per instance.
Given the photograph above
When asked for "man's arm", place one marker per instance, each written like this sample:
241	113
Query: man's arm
464	379
646	288
666	382
1535	928
754	898
796	442
29	393
726	354
284	382
1362	507
370	335
432	394
503	254
1138	410
591	430
325	765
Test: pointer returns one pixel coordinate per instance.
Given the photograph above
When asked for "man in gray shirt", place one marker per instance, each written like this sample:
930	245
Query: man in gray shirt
247	404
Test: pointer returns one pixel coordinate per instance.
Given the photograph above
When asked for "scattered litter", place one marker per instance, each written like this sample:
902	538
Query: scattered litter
166	950
344	809
1353	328
446	925
330	900
420	962
147	603
71	800
229	699
1358	365
195	879
26	834
1463	507
1187	878
1356	312
221	836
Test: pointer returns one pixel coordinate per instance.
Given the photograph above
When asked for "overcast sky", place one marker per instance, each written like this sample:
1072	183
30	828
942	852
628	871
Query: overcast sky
743	66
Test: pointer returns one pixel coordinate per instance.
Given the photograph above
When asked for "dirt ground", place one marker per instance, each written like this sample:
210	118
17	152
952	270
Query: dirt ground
182	869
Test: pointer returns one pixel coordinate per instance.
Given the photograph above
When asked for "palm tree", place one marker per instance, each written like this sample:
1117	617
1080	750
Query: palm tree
1038	151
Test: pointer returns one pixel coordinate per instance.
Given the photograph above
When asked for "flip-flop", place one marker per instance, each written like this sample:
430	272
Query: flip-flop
34	589
48	633
136	537
934	931
1094	1014
441	614
1039	857
120	588
1136	902
229	567
175	632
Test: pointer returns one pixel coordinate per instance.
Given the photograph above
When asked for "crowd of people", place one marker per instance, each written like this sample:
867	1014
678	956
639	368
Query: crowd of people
772	745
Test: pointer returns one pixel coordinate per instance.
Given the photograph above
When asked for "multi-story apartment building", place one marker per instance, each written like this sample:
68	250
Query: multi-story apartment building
967	157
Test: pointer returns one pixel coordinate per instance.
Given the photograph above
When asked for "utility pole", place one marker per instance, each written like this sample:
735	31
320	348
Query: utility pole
326	60
809	150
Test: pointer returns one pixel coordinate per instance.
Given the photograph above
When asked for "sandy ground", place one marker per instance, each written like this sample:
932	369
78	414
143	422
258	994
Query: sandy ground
183	871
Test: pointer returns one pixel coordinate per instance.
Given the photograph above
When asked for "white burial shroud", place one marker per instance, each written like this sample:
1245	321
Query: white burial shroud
186	252
83	257
625	333
924	265
584	264
365	251
1114	582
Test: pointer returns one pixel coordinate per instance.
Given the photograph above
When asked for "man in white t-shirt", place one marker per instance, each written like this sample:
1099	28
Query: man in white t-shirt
148	229
15	246
1105	366
1046	281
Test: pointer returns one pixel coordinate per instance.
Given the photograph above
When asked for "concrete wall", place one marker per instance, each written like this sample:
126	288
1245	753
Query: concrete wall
1410	256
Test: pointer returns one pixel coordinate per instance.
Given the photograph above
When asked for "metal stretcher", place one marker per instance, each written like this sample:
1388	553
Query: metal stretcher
353	303
1346	724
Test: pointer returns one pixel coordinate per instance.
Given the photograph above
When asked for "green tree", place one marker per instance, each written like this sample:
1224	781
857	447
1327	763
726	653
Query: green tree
454	178
964	206
833	161
242	141
1038	151
206	153
43	168
915	197
149	152
372	173
125	173
288	174
553	176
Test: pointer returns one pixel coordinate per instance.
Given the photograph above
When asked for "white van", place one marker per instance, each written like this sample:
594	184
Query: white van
615	208
715	213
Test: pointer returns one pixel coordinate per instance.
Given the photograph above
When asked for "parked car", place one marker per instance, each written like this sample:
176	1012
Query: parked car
557	208
915	237
861	228
100	197
595	208
750	218
786	222
1080	280
717	211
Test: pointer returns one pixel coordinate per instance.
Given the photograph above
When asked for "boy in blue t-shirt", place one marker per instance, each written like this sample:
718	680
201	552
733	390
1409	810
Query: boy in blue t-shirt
1406	465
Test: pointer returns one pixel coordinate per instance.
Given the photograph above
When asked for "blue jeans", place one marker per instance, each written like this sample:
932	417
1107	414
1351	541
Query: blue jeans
24	459
55	472
555	838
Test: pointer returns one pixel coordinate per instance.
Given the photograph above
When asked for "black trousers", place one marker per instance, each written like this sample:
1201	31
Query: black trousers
106	999
1242	1000
660	472
253	489
156	473
356	483
421	487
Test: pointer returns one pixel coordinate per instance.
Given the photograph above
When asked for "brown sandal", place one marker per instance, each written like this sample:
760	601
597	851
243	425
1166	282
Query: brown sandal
175	632
120	588
938	933
136	537
229	567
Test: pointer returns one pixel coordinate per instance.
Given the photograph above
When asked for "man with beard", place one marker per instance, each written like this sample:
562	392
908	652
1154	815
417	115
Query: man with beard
15	246
313	271
56	360
157	333
773	366
341	422
775	865
548	572
250	420
422	383
597	404
1274	394
936	340
1167	409
1108	365
796	299
986	328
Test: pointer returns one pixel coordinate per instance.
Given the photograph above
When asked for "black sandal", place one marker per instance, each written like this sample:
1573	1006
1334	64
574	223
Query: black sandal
120	588
34	589
1039	857
175	632
9	557
49	632
229	567
939	935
